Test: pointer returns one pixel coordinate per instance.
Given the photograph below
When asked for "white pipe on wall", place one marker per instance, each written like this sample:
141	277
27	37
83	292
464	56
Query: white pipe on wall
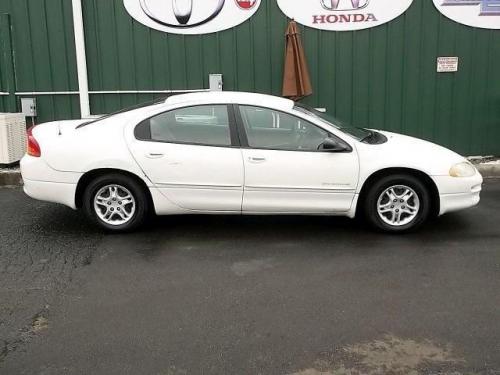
123	92
81	59
39	93
109	92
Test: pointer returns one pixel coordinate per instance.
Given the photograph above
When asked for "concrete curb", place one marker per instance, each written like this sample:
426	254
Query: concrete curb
13	177
10	178
489	170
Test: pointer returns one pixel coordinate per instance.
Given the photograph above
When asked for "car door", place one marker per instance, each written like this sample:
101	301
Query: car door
285	172
191	155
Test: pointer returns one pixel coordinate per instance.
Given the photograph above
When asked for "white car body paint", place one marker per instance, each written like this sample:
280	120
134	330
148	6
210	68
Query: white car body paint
194	177
204	179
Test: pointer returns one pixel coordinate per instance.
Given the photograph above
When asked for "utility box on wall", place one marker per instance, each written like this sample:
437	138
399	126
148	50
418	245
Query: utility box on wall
215	82
28	107
12	137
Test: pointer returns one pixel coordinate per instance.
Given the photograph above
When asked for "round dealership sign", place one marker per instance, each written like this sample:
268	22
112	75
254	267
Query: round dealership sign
343	15
191	16
476	13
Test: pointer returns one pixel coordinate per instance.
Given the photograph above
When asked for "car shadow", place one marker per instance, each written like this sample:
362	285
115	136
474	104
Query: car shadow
62	219
269	234
264	234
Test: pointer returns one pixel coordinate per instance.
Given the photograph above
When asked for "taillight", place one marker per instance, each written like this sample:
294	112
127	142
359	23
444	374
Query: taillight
33	146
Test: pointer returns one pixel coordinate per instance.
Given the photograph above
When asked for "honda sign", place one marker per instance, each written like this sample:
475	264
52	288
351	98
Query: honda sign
343	15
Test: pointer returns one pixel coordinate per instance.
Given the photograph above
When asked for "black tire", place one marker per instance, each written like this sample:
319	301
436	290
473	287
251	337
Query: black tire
136	190
370	203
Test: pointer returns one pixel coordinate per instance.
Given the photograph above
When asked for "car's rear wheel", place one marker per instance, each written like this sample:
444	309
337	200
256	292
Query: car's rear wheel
116	203
397	203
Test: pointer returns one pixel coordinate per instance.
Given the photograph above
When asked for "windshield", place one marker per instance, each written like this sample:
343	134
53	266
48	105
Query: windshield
358	133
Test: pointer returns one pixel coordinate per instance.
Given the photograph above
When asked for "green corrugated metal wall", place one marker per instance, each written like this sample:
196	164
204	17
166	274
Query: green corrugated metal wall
43	44
383	77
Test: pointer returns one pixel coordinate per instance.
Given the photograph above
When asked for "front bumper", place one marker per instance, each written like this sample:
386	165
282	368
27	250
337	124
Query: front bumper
456	202
458	193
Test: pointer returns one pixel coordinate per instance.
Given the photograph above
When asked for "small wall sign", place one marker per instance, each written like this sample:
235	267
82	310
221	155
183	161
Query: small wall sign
447	64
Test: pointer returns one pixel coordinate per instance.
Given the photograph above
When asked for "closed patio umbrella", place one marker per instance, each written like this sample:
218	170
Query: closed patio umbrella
296	81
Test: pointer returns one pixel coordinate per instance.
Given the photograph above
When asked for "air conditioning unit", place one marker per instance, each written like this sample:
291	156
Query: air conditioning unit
12	137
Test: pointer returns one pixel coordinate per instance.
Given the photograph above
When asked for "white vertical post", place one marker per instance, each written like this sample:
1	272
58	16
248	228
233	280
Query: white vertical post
81	58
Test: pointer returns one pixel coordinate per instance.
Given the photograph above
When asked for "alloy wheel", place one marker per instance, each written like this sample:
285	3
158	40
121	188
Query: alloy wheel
114	204
398	205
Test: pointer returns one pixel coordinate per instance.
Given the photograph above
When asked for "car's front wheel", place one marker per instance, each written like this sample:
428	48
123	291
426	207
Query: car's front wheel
397	203
116	203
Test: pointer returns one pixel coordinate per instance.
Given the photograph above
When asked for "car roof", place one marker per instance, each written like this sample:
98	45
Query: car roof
211	97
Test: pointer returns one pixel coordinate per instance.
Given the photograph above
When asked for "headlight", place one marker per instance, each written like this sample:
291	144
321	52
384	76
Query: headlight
463	169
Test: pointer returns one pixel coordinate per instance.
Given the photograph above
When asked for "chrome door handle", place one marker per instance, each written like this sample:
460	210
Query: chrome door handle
256	159
153	155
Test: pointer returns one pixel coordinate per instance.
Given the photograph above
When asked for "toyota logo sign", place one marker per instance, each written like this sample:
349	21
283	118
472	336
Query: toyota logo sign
191	16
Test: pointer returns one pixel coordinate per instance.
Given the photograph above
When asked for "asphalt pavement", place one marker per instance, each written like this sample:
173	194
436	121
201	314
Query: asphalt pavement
248	295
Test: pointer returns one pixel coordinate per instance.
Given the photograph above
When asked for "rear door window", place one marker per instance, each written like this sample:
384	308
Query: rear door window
201	125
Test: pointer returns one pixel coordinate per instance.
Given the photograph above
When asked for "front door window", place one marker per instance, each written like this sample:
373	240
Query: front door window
274	130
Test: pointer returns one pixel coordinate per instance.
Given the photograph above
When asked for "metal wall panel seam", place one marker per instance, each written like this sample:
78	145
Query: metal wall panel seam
7	59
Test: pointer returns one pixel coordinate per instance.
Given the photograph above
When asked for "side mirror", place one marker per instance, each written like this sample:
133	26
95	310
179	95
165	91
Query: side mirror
333	145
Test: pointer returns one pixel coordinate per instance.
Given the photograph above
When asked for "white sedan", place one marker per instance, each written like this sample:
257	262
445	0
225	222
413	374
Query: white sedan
241	153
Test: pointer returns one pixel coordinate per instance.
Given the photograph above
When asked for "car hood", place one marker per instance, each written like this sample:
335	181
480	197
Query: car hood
409	152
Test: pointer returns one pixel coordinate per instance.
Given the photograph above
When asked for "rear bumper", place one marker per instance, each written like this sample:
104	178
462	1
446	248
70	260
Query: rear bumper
46	184
55	192
458	193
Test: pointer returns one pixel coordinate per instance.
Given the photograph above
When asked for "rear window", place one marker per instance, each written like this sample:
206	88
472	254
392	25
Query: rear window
200	125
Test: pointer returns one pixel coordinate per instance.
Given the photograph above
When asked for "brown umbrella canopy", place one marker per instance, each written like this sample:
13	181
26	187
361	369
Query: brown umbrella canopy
296	81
